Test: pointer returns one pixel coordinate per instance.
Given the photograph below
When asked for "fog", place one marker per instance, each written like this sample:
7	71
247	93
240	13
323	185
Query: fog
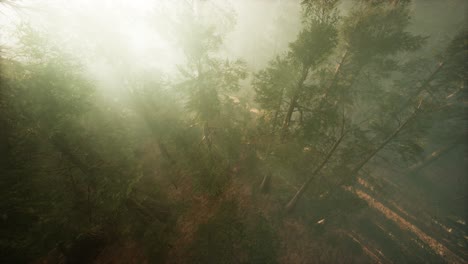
144	33
233	131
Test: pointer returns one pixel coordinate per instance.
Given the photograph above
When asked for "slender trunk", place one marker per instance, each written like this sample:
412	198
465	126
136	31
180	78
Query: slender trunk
383	144
375	151
275	119
292	203
424	85
277	111
400	128
431	77
433	157
287	119
336	74
207	135
292	104
266	183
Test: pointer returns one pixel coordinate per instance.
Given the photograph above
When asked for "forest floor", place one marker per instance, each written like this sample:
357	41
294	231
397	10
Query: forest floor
408	219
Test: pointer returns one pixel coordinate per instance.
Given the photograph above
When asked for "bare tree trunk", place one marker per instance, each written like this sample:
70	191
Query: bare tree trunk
433	157
423	86
292	203
266	183
293	103
376	150
287	119
384	143
277	111
397	131
336	74
402	126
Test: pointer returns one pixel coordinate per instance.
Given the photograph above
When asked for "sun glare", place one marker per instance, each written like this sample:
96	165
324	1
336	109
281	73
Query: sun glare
133	30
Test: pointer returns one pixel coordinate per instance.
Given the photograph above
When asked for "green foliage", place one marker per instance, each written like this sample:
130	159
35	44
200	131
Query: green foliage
378	30
274	85
44	100
322	11
314	44
205	77
72	159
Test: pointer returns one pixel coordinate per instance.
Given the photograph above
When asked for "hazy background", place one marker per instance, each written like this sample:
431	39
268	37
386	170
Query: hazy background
122	45
259	29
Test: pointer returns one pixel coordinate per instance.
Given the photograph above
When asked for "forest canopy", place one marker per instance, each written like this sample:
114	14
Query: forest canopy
216	131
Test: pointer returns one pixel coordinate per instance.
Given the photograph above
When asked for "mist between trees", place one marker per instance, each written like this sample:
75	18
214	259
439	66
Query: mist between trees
139	134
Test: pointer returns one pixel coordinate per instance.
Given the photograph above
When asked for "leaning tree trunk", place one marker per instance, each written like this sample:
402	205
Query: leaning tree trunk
266	183
292	203
277	111
384	143
336	74
433	157
293	102
398	130
380	147
424	85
